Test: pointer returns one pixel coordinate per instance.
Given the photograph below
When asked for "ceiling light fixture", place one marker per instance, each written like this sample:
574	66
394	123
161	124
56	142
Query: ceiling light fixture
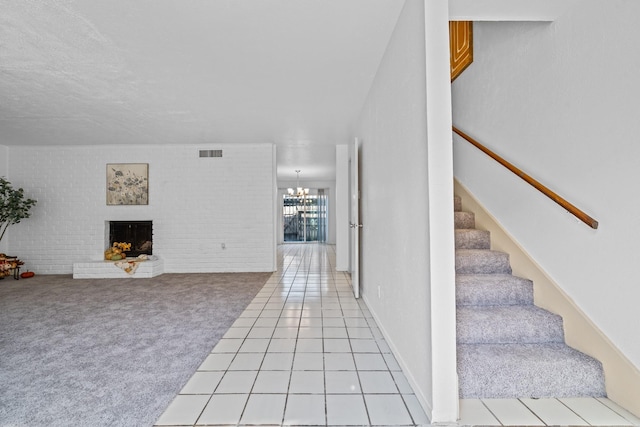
299	190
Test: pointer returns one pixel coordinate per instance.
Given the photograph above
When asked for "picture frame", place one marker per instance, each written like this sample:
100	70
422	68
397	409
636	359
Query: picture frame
127	184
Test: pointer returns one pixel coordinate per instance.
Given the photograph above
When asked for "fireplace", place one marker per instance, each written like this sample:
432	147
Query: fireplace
138	233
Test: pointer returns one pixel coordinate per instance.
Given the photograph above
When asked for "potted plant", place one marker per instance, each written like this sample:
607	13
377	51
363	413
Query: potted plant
14	207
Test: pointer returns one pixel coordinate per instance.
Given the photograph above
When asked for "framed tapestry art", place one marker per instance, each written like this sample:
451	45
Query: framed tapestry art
127	184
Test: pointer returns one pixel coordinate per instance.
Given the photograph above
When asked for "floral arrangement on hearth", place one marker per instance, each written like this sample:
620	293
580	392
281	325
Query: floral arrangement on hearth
117	251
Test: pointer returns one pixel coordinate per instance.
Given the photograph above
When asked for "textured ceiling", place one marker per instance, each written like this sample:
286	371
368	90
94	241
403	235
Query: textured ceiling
291	72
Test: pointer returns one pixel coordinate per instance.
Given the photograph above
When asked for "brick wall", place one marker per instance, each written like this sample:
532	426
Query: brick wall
197	205
4	154
4	163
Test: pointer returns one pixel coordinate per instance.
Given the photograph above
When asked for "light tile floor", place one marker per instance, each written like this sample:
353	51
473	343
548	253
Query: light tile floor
306	352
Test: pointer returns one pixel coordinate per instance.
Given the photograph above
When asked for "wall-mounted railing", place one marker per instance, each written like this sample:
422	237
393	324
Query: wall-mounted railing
533	182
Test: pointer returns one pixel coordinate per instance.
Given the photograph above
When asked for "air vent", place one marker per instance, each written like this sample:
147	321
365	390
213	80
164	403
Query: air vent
210	153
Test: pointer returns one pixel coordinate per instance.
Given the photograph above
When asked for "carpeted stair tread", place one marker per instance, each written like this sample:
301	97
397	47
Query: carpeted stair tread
457	203
508	324
482	261
464	220
493	289
471	238
527	370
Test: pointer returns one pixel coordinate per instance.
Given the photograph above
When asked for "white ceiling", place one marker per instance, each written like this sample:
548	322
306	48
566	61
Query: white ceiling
291	72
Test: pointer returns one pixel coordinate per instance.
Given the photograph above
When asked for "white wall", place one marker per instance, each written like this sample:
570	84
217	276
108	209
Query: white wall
508	10
196	204
394	201
441	224
342	208
560	101
4	160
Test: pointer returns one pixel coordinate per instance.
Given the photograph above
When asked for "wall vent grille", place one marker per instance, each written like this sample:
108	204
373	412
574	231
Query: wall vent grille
210	153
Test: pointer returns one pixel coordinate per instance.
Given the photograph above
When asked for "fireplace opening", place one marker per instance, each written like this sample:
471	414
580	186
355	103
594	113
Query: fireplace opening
138	233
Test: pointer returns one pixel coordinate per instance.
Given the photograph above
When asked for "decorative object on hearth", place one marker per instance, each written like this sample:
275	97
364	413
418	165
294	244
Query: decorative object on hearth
27	274
127	184
14	207
130	266
10	266
117	251
5	267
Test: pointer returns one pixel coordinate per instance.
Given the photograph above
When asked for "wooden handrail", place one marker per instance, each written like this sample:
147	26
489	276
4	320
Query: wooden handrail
540	187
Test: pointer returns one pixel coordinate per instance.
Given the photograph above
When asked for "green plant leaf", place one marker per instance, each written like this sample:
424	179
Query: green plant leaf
14	207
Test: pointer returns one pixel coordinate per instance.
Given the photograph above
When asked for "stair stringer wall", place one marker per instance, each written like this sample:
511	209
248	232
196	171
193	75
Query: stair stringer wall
621	376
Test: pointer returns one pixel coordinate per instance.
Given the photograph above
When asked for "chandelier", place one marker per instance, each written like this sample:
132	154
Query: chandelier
300	192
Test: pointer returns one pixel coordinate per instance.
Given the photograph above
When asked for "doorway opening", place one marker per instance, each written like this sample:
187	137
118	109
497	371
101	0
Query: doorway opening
304	217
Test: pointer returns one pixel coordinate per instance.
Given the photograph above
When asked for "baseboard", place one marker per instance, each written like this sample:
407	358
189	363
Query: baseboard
417	389
622	377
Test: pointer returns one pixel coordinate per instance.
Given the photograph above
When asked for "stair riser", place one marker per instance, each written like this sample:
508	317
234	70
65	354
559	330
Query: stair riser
472	239
508	325
493	289
464	220
482	262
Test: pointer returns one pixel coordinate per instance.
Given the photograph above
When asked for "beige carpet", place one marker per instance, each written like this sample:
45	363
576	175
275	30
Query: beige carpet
109	352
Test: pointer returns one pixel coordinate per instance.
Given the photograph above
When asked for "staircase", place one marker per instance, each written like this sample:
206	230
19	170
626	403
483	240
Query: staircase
508	347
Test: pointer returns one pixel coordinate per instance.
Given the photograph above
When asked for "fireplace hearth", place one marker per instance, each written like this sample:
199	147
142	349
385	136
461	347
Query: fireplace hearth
138	233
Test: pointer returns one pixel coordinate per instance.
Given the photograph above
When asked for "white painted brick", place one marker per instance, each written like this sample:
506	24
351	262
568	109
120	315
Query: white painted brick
4	172
108	270
195	205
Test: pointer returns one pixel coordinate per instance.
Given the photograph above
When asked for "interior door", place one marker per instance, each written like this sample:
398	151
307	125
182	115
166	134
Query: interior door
354	220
